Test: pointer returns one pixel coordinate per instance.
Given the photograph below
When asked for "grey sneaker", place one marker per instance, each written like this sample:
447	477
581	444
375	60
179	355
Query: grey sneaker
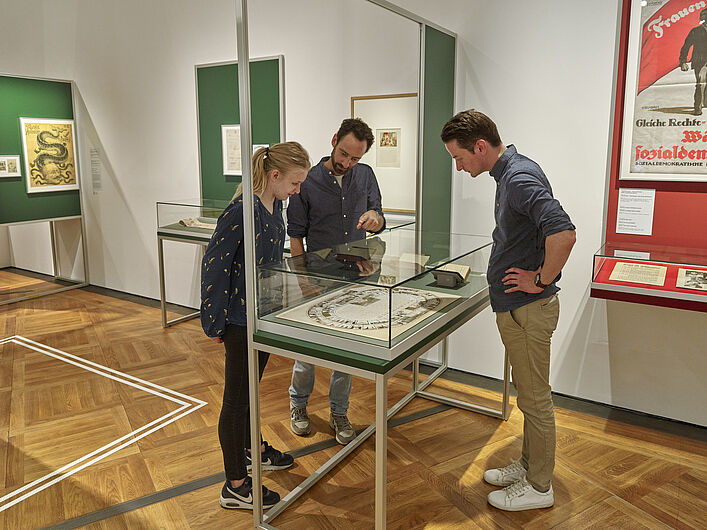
299	421
505	476
342	427
521	496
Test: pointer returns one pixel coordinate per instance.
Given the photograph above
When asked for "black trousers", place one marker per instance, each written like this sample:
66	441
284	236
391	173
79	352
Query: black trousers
234	421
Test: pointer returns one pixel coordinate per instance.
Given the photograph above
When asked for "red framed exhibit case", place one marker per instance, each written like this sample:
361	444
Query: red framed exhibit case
663	275
655	231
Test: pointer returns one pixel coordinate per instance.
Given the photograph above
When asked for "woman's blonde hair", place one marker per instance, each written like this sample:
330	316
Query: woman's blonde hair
284	157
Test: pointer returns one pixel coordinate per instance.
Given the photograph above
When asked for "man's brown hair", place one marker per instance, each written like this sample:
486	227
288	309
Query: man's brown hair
469	126
358	128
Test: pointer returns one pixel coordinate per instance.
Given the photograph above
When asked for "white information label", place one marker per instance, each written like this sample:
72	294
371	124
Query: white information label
632	254
635	212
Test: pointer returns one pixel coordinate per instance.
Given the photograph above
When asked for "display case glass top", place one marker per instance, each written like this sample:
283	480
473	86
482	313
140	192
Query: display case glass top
376	296
189	219
671	276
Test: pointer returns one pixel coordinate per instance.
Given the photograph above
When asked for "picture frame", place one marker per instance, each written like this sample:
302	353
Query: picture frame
231	150
10	166
663	137
395	166
49	152
388	142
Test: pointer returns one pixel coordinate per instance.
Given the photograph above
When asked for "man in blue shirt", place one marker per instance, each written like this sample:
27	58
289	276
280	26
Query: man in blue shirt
338	203
531	243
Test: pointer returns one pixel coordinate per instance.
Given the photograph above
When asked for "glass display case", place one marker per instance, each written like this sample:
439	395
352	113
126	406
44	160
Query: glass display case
190	219
379	296
668	276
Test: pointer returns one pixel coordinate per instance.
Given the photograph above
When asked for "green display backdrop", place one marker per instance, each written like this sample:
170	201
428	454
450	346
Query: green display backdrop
32	98
217	88
438	107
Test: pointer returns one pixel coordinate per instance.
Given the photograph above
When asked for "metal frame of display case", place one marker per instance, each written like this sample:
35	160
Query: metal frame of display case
379	371
164	233
650	295
160	259
368	349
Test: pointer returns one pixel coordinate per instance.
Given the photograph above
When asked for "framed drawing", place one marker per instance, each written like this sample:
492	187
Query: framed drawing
231	147
49	151
364	310
664	133
388	148
10	166
393	118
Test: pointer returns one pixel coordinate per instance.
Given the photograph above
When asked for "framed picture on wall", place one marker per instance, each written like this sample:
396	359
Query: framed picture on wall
393	156
49	151
231	147
388	148
10	166
664	133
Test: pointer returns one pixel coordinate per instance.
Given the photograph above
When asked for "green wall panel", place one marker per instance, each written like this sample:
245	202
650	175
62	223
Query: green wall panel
32	98
218	105
438	107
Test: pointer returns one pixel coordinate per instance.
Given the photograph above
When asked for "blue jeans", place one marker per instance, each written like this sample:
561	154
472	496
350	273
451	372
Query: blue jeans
303	384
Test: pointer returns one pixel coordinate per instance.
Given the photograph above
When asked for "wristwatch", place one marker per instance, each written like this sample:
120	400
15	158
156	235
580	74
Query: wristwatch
540	284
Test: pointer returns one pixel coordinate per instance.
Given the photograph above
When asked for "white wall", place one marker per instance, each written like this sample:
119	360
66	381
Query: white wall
30	247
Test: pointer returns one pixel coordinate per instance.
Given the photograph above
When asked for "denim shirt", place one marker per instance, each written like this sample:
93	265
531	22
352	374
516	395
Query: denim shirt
526	213
326	214
223	295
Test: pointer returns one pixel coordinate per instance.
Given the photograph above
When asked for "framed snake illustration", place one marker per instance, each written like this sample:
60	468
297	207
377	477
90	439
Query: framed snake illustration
49	154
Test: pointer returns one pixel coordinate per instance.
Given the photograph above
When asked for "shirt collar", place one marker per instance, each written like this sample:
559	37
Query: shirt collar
500	166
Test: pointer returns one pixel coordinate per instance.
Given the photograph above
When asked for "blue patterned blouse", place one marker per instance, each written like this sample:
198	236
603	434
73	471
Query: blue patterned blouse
223	294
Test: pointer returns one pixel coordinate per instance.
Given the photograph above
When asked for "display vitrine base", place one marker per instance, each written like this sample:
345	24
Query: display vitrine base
163	291
380	372
75	284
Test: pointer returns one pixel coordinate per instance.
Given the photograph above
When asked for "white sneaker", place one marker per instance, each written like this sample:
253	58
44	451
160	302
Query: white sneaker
521	496
505	476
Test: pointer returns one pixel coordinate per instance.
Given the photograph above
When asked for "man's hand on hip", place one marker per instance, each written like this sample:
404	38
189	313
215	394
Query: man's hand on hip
521	280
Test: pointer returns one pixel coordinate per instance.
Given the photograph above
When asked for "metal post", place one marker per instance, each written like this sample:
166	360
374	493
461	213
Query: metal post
55	258
445	353
381	450
163	294
415	374
249	244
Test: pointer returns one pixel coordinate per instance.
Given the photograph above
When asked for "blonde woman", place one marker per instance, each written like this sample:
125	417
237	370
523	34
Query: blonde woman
278	172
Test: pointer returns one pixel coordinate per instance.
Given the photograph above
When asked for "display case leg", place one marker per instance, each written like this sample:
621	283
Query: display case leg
381	450
160	261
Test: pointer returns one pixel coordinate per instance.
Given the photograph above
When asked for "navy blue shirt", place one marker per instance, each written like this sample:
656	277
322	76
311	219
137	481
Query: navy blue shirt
223	295
325	214
526	213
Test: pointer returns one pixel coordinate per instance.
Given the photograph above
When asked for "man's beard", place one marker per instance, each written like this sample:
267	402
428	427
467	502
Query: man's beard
338	169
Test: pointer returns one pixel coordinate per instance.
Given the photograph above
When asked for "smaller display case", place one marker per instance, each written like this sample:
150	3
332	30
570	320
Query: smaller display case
378	296
190	219
665	275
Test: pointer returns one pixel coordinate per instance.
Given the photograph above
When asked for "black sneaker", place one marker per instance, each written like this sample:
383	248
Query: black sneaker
272	459
242	496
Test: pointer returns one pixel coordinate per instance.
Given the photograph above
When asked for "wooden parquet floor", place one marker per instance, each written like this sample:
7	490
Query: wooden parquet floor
608	474
15	285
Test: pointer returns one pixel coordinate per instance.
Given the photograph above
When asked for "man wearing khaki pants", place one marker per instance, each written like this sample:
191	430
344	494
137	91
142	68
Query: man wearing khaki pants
531	243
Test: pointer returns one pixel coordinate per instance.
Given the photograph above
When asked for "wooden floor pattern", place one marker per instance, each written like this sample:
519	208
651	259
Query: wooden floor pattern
16	284
608	474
